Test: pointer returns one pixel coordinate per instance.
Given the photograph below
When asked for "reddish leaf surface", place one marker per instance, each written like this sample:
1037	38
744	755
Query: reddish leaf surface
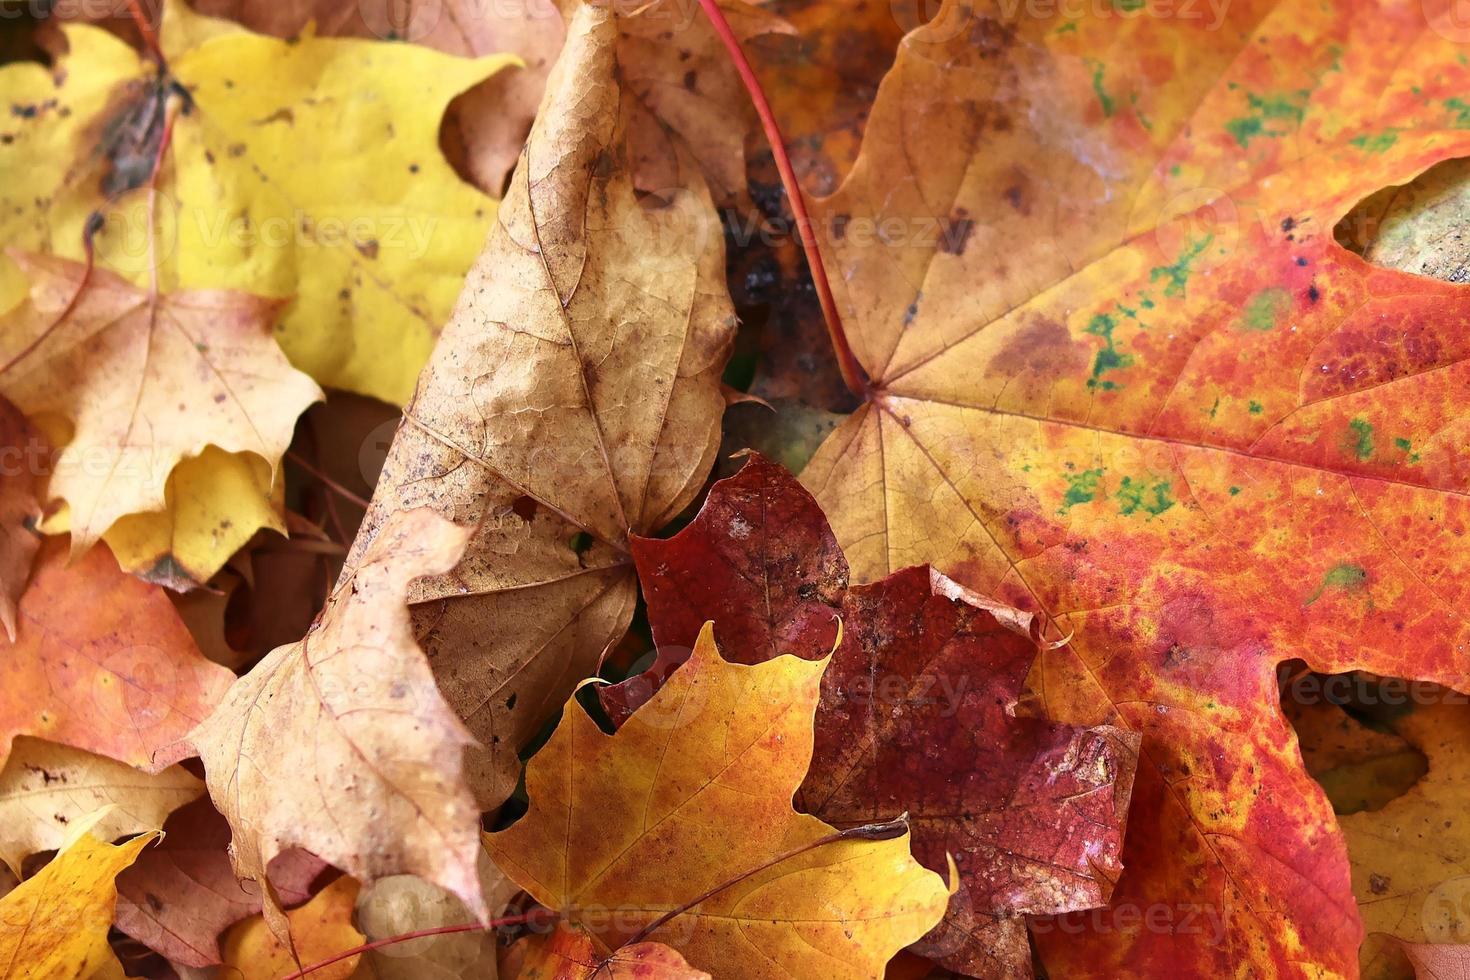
21	470
102	662
915	713
181	894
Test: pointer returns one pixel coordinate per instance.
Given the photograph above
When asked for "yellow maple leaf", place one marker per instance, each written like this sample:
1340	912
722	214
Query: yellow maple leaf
692	797
55	924
326	186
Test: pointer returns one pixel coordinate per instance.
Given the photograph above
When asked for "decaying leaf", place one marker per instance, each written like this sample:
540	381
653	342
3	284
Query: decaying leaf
45	789
1359	768
55	923
326	186
567	953
319	929
692	792
341	744
26	460
1419	227
1122	374
180	895
916	713
146	381
573	397
102	662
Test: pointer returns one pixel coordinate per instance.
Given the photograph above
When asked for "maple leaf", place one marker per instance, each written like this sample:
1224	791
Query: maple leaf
178	896
102	662
485	126
146	381
1122	374
45	789
319	929
340	744
567	953
915	715
701	796
55	923
326	186
20	507
574	396
1433	962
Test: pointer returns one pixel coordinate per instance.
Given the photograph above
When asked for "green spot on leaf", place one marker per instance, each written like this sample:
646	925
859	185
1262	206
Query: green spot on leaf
1271	116
1234	491
1081	488
1377	142
1097	87
1152	498
1177	275
1109	358
1358	439
1344	578
1264	309
1255	407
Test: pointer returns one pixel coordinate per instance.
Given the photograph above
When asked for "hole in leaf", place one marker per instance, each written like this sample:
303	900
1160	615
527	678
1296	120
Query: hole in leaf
1346	727
1421	227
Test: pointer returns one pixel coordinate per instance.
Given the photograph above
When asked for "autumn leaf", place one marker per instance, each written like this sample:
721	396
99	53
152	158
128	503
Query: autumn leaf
146	381
298	189
341	745
573	397
487	124
319	929
102	662
54	924
1122	374
45	789
21	478
180	895
915	715
567	953
702	797
1439	962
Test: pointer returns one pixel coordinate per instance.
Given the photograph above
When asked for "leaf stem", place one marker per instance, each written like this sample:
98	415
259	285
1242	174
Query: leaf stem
847	362
536	914
886	830
145	28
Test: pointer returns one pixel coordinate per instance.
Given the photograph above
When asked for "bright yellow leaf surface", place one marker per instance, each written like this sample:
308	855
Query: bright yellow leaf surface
319	929
55	924
326	184
694	791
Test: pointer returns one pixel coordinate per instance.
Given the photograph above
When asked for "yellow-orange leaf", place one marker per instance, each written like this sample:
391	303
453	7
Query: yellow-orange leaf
567	953
693	791
55	924
319	929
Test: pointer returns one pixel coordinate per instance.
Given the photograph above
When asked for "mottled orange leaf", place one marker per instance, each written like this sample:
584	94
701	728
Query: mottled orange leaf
692	797
24	461
102	662
567	953
1123	374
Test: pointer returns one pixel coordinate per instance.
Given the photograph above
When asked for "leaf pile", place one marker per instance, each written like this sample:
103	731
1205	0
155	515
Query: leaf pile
404	575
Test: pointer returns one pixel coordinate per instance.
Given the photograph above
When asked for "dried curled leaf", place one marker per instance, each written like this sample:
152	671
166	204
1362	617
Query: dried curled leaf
692	792
340	744
573	397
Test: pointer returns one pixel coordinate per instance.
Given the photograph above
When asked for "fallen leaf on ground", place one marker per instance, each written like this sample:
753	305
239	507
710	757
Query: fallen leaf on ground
915	715
702	794
55	923
1359	768
319	929
180	895
102	662
45	788
1122	374
26	461
341	744
524	423
299	189
1418	227
567	953
146	382
1439	962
